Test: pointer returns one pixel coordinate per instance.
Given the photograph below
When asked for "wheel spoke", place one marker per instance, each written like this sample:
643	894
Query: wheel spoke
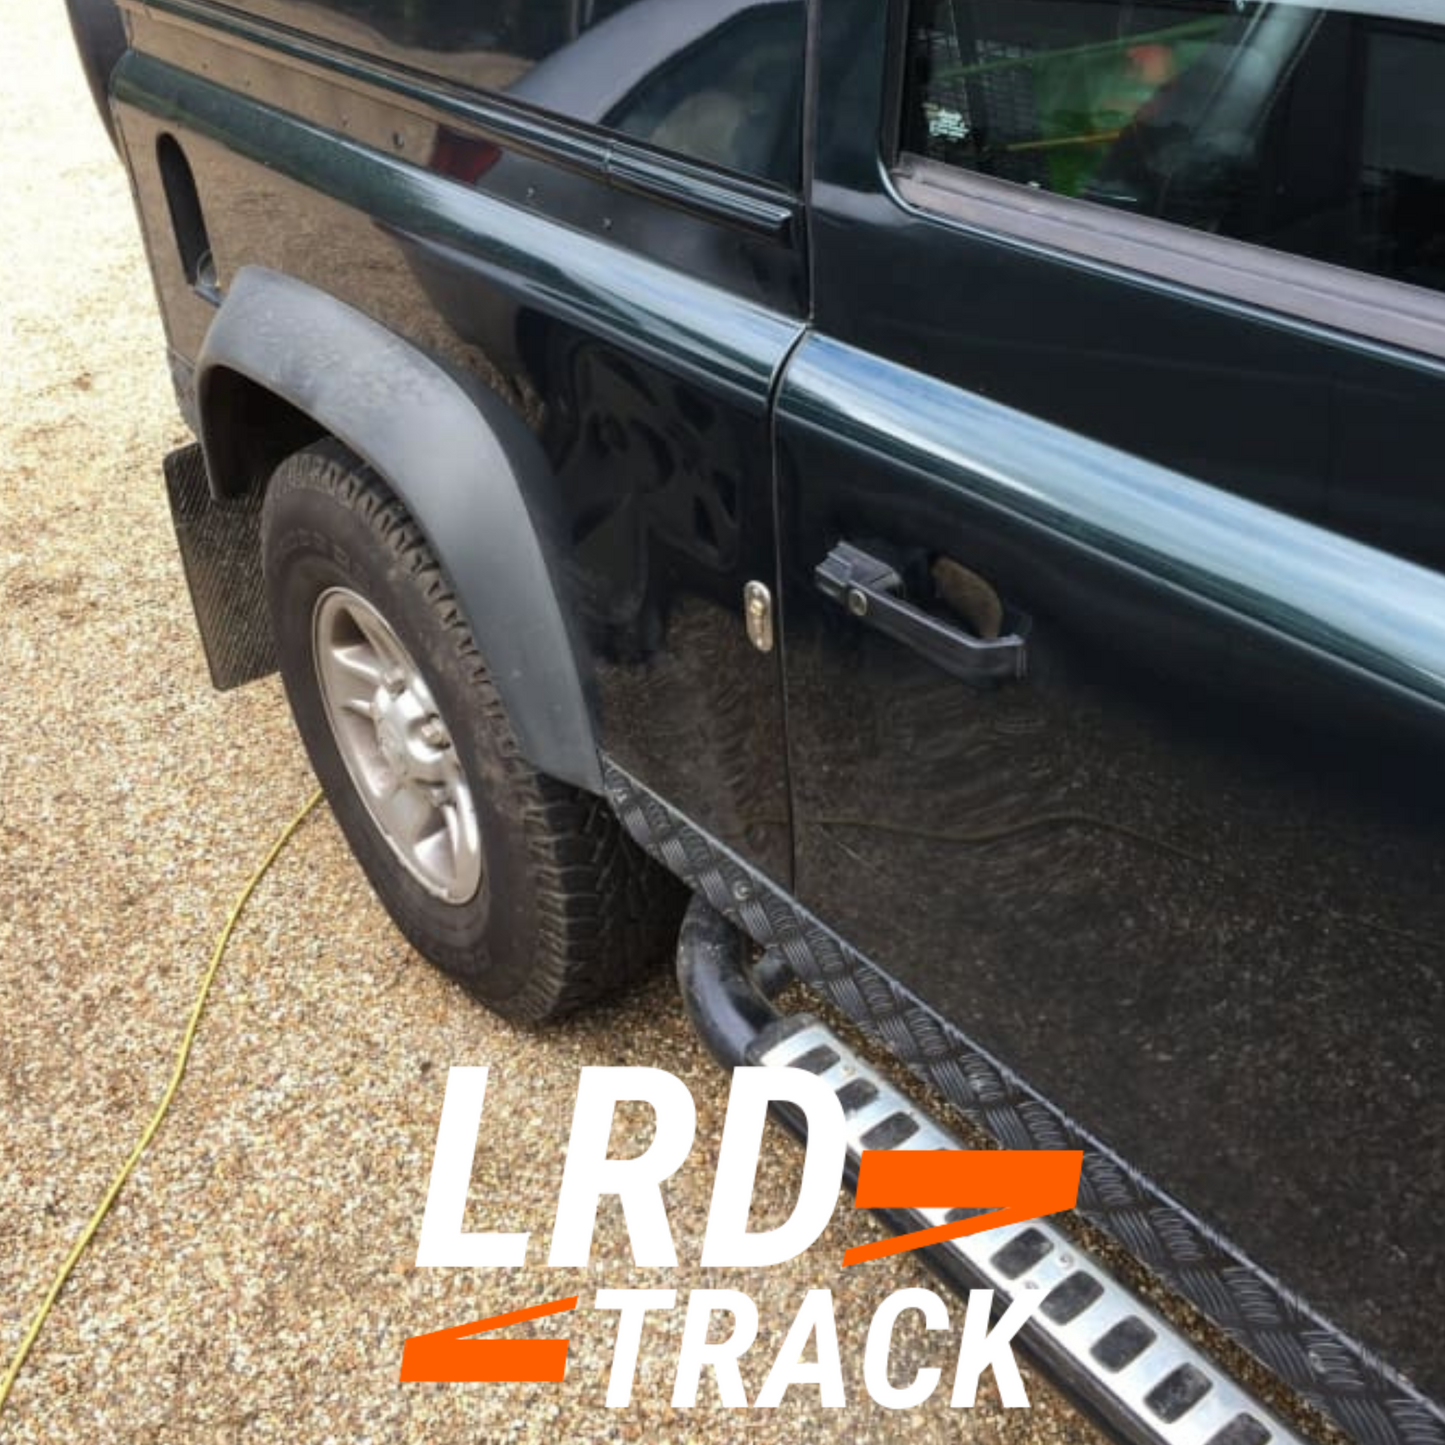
359	660
389	654
453	822
375	778
435	854
410	816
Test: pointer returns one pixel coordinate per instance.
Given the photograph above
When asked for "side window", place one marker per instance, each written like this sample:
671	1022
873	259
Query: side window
1318	131
734	99
719	81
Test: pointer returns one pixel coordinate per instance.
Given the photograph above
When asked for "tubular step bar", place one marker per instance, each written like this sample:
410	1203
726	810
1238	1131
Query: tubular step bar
1092	1334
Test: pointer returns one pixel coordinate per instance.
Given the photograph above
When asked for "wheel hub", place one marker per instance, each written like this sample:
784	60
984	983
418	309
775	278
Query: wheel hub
400	720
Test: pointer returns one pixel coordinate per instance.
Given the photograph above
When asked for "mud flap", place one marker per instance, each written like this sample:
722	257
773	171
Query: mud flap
220	544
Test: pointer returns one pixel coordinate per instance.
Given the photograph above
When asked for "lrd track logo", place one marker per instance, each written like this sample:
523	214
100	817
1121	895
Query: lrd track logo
1017	1185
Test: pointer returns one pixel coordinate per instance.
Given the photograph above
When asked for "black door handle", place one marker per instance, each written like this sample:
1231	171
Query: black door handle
870	590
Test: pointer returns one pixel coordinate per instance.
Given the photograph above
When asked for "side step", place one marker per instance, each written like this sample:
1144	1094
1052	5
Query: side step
1092	1333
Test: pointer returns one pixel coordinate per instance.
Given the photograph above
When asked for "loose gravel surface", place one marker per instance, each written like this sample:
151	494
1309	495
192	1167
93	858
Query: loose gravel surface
256	1280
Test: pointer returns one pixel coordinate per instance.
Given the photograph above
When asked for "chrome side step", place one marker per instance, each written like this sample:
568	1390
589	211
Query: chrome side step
1092	1333
1131	1364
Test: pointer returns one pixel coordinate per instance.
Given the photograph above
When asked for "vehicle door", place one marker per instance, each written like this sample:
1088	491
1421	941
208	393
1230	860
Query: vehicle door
1112	525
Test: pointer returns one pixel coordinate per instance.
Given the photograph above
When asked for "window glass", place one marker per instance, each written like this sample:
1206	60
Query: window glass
719	81
1314	129
735	100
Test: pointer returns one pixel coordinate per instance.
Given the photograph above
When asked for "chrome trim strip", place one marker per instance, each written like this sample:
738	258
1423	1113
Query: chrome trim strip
1322	591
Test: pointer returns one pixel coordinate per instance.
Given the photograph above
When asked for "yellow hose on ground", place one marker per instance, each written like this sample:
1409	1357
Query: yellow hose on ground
177	1073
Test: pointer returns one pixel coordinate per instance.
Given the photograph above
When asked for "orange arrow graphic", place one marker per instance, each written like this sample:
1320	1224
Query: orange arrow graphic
449	1357
1017	1184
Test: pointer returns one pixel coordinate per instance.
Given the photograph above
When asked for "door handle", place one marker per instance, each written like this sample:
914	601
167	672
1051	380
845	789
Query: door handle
870	590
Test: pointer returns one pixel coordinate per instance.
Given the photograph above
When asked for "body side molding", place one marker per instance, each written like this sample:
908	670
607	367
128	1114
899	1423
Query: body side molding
462	464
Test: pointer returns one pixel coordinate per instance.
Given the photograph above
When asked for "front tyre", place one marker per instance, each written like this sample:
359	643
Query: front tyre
523	888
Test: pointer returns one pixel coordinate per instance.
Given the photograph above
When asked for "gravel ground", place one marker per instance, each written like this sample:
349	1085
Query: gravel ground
256	1279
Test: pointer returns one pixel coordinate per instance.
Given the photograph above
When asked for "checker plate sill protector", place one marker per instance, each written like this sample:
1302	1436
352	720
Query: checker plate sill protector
1085	1308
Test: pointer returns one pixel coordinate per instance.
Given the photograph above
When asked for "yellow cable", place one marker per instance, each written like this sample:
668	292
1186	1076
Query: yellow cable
177	1073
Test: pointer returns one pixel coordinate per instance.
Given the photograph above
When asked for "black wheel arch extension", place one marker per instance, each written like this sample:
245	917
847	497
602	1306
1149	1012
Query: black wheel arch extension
284	363
100	37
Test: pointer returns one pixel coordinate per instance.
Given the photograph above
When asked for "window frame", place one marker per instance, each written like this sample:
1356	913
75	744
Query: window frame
1301	289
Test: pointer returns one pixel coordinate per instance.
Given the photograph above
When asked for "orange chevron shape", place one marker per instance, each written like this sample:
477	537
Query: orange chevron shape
1017	1184
450	1357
